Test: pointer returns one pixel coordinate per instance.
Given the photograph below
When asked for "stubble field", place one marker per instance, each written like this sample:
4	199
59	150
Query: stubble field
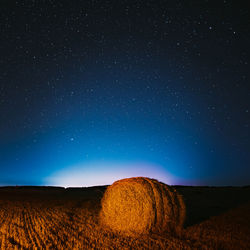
58	218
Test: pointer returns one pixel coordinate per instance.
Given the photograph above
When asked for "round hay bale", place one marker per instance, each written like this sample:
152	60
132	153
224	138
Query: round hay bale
142	205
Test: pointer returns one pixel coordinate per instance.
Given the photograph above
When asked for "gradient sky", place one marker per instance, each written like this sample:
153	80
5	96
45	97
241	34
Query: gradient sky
94	91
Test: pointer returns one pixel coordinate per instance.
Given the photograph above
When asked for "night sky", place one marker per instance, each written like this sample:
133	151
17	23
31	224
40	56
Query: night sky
94	91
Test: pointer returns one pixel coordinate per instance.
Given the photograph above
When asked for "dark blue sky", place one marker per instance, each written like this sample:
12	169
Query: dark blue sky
93	91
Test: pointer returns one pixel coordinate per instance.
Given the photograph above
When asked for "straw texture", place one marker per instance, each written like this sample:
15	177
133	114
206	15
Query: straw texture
141	205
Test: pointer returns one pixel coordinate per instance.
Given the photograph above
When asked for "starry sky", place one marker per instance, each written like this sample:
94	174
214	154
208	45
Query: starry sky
94	91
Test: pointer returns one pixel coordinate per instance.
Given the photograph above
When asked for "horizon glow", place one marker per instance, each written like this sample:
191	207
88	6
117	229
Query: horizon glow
105	173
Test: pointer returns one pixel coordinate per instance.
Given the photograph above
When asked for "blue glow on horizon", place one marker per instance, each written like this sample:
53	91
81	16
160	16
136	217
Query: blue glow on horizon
105	173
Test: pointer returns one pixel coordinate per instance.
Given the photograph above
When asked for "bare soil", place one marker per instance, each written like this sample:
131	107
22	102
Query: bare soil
58	218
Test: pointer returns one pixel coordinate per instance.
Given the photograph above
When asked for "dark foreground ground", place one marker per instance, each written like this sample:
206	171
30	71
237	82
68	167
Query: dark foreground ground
58	218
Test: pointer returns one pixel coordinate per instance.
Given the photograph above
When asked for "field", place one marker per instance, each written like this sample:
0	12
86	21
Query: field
58	218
